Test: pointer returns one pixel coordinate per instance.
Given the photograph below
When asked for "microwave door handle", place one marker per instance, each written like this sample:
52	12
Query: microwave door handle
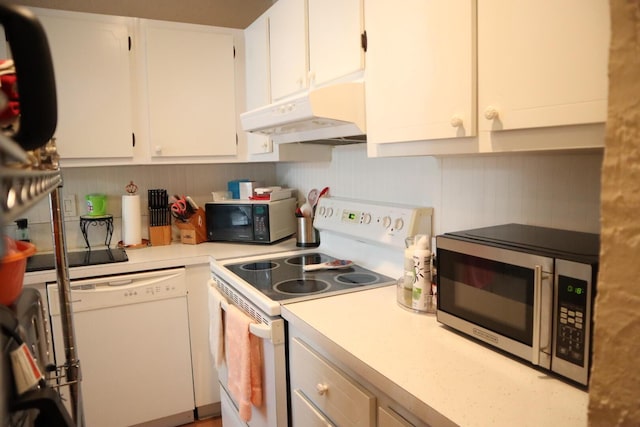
537	302
259	330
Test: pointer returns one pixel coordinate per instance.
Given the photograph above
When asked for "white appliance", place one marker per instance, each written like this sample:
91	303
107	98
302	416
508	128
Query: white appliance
132	335
370	234
335	112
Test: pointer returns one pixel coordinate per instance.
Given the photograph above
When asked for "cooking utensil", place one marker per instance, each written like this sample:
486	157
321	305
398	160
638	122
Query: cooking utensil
312	198
323	192
307	210
331	265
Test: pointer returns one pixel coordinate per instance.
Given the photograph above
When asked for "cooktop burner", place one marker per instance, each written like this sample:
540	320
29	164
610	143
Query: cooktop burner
283	278
301	286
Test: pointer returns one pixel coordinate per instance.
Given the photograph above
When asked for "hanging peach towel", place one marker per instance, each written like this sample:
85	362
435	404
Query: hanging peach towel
244	361
216	333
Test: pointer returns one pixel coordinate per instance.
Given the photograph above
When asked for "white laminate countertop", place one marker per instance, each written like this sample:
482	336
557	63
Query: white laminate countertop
176	254
440	376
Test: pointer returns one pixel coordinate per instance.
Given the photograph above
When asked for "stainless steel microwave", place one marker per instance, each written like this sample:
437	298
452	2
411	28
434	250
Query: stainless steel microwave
526	290
251	221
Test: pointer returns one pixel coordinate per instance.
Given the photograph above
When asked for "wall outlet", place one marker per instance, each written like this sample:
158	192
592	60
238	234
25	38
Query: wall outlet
69	206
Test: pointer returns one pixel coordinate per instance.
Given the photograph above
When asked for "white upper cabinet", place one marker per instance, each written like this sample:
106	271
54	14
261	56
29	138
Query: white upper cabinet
91	63
313	42
540	82
288	47
335	46
256	39
542	63
420	73
190	81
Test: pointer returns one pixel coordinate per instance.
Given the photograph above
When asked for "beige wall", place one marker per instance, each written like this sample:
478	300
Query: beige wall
221	13
614	397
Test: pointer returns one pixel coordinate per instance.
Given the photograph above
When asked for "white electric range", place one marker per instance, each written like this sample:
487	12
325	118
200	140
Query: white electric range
370	234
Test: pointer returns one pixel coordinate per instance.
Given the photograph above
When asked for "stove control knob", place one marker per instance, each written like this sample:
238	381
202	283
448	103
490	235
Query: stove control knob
367	218
398	224
386	222
329	212
321	210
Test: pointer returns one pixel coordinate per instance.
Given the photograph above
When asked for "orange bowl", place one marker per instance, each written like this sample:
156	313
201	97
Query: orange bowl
12	269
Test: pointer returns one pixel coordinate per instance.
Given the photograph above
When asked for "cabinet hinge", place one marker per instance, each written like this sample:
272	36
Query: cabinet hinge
129	43
133	139
363	40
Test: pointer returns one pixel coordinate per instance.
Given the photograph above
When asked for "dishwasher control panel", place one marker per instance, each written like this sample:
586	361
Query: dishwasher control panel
109	291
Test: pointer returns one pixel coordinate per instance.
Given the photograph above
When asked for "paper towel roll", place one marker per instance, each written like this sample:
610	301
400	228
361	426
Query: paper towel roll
131	220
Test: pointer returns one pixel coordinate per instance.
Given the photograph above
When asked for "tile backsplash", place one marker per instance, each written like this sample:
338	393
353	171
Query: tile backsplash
555	190
197	181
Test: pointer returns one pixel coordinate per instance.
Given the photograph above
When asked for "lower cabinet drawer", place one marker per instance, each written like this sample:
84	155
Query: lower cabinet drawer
305	414
337	396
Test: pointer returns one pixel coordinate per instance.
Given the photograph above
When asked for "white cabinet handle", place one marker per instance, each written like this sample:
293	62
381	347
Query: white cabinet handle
322	388
158	149
491	113
456	121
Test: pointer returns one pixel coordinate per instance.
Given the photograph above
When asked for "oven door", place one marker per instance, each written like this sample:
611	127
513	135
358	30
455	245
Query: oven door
499	296
274	409
228	222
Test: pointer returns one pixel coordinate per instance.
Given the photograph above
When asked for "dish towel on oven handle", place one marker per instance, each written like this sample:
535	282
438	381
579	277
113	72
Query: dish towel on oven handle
216	332
244	361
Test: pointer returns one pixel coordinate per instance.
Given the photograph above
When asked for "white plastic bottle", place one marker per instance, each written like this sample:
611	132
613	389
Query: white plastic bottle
422	269
409	269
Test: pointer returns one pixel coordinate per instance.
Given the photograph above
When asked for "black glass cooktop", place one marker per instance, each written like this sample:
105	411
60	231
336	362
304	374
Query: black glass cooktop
283	278
40	262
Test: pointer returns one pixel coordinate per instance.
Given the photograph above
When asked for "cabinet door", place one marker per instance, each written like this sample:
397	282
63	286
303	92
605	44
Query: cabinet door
191	90
420	72
91	64
335	48
288	47
542	63
256	40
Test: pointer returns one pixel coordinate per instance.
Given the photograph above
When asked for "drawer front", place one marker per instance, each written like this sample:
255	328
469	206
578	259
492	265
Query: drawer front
388	418
330	390
304	414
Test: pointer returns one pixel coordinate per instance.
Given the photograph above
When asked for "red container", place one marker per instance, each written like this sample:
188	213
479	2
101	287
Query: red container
12	269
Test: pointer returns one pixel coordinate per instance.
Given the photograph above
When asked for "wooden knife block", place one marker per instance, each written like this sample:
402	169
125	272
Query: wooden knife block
160	236
193	230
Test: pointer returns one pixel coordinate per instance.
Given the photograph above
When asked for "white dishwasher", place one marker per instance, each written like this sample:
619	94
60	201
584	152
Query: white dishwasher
132	337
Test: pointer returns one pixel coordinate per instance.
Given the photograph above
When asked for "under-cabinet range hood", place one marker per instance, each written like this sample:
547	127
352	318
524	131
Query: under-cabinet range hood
331	115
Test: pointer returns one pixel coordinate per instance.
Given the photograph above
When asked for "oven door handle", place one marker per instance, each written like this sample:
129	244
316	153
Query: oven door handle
259	330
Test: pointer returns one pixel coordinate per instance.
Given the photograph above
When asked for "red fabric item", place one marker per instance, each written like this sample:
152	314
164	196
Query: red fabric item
10	86
10	113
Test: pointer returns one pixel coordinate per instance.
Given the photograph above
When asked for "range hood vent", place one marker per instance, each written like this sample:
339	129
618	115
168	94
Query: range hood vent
328	115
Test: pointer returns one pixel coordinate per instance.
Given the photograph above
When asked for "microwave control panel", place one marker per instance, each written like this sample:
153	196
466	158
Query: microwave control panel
571	319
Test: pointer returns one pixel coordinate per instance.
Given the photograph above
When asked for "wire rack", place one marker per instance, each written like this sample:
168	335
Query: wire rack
25	178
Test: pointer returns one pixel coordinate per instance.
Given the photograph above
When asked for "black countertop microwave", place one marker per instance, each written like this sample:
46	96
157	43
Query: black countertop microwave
523	289
250	221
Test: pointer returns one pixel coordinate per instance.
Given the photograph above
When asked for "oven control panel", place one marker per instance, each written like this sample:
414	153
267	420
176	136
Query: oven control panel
379	222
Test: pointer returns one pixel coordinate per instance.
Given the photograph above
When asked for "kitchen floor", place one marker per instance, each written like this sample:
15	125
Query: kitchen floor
209	422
